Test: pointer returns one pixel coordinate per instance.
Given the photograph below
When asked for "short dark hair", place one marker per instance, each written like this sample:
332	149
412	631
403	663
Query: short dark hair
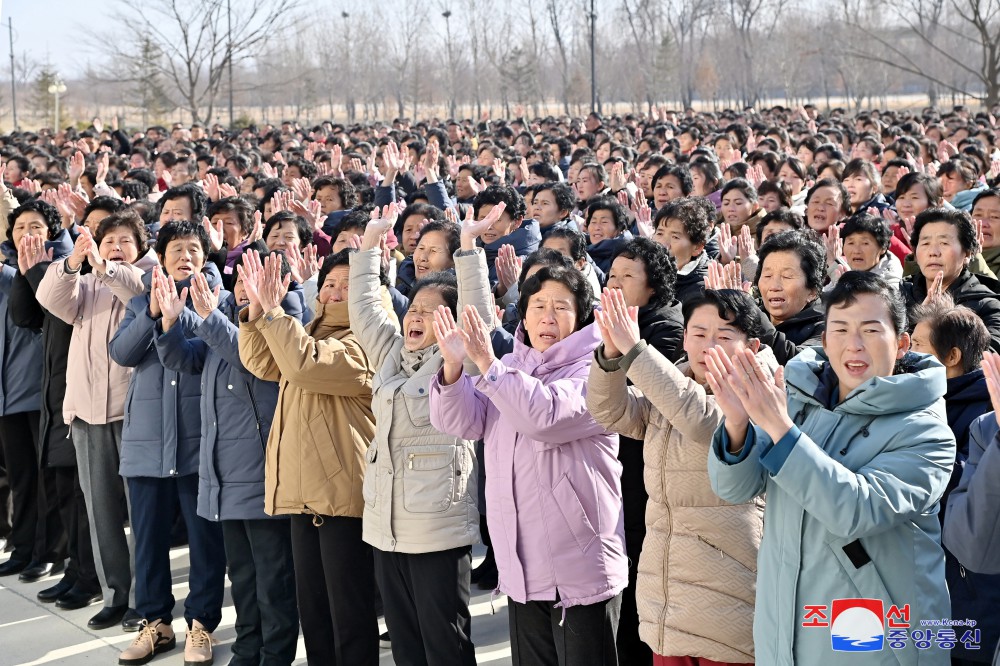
570	278
661	271
577	241
564	195
930	185
993	192
866	223
743	185
679	172
244	211
955	327
845	198
355	219
959	219
611	205
709	171
175	229
48	212
812	256
958	167
782	215
691	215
857	283
192	192
733	305
302	228
125	218
342	258
444	282
452	232
108	204
544	256
348	193
495	194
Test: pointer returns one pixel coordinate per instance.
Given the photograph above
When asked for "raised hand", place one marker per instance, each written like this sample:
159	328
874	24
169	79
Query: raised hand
500	169
728	247
251	271
756	175
227	190
936	289
336	158
272	289
301	189
745	243
508	266
643	216
991	368
216	235
906	226
430	162
103	164
451	343
721	379
620	321
616	178
268	171
994	170
478	346
171	304
834	245
77	165
451	214
258	227
763	395
204	298
311	210
32	252
472	230
379	225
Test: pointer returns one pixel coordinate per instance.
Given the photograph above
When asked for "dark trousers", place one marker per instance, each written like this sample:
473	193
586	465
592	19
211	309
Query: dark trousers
73	510
36	530
427	606
152	516
4	498
334	580
259	554
586	637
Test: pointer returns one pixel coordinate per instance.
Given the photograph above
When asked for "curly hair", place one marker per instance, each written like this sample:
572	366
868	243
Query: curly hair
302	228
48	212
959	219
812	256
176	229
690	214
348	193
124	219
563	194
570	278
661	271
865	223
679	172
611	205
495	194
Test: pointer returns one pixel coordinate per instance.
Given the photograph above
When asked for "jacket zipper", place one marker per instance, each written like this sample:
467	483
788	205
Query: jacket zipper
411	456
723	553
256	416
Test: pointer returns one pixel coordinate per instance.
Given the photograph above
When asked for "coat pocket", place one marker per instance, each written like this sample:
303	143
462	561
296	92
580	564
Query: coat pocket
572	512
418	405
324	446
368	485
429	479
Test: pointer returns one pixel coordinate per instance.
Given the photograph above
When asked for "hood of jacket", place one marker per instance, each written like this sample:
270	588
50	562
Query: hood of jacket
574	348
919	382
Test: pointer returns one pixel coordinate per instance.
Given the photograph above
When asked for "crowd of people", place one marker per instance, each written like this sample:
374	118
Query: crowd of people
703	383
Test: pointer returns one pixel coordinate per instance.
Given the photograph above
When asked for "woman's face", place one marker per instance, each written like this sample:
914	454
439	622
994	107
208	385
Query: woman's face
29	223
329	199
939	250
630	276
737	208
862	251
987	211
952	184
119	244
860	188
283	237
774	228
185	256
93	221
545	210
783	286
672	235
666	189
805	156
502	227
432	254
912	202
551	315
231	228
411	232
601	226
700	184
705	329
418	322
770	202
603	152
824	208
861	342
335	287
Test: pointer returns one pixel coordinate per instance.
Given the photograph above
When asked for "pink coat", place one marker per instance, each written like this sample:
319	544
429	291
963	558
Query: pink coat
553	489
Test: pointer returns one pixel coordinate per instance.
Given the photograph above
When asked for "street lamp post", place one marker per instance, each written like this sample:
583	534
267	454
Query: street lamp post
56	88
593	59
451	64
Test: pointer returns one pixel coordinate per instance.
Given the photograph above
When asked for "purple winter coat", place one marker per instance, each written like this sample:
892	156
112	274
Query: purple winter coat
553	490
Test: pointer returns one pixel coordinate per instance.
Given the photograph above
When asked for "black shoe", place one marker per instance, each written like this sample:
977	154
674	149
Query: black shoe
11	567
384	642
51	594
3	544
76	599
131	621
40	570
108	617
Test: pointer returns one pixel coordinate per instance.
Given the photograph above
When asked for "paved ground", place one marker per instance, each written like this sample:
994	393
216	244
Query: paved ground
34	633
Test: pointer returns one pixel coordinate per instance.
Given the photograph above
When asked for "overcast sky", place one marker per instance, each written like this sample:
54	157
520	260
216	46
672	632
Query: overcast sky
51	29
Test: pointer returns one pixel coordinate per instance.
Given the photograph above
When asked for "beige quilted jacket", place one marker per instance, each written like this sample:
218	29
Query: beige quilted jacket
698	568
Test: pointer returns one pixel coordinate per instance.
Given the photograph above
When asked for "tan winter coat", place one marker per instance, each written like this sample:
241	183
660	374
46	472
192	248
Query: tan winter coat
698	568
323	422
94	305
420	486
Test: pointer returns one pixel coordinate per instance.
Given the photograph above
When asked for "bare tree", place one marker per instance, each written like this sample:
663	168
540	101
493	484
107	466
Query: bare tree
752	21
199	39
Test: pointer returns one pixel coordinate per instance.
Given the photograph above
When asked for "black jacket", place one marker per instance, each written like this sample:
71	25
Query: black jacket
976	292
692	285
55	448
788	338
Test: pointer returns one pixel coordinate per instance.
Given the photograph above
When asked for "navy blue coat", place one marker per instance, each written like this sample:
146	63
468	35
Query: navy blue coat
20	350
162	429
526	239
236	414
